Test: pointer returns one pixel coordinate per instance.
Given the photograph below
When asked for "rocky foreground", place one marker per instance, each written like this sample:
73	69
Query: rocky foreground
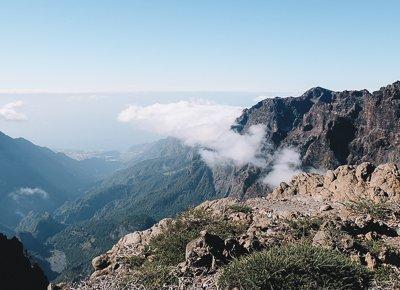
349	216
17	272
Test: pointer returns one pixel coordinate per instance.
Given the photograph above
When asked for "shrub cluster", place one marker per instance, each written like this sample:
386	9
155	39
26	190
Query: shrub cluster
168	248
378	210
294	266
303	227
240	208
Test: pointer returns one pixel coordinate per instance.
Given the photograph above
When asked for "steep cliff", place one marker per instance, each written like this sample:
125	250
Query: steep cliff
326	128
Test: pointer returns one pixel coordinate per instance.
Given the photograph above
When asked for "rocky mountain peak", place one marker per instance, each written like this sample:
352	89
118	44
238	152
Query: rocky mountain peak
392	91
318	94
326	128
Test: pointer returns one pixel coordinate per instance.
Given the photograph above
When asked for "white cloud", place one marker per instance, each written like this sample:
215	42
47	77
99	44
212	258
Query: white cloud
286	164
27	191
9	112
200	123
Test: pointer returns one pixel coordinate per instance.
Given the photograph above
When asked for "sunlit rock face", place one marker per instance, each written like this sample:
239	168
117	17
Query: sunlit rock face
327	129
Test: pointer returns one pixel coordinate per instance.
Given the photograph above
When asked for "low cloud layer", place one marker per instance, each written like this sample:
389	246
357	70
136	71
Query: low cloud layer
9	112
200	123
208	125
29	192
286	164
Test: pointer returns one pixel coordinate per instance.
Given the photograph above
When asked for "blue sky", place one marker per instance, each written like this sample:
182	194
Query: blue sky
232	50
198	45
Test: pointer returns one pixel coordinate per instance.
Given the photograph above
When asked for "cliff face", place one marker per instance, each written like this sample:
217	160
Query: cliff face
326	128
332	128
16	270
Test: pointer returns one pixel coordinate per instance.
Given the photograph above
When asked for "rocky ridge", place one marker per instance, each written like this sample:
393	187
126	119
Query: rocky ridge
352	209
326	128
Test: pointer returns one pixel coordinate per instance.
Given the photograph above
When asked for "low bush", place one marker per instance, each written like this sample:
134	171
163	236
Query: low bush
136	261
304	226
386	277
240	208
374	246
294	266
155	276
168	248
378	210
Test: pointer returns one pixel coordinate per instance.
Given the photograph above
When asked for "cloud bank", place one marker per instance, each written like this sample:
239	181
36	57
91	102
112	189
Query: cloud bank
9	112
200	123
286	164
27	192
208	125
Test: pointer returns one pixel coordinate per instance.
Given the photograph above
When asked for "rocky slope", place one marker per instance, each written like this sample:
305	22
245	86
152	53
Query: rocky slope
353	210
326	128
16	270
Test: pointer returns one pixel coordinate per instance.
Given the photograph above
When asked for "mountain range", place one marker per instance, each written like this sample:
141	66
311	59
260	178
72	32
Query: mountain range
90	209
36	178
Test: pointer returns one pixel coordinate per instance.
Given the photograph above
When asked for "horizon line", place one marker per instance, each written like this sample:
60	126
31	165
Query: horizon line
94	92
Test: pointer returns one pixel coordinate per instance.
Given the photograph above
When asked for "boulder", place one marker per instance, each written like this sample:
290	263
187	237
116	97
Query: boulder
101	262
205	251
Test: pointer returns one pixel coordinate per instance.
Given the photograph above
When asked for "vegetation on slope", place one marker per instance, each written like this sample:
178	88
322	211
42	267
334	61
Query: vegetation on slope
168	249
296	266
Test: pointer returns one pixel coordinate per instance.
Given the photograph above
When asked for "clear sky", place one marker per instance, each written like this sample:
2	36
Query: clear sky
233	45
247	48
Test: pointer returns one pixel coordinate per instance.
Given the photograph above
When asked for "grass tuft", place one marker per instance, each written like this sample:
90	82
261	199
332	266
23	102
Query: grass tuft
168	248
240	208
387	277
380	210
303	227
295	266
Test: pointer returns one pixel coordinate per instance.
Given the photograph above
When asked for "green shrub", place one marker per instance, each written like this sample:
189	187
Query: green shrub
136	261
304	226
387	277
240	208
295	266
154	276
374	246
168	248
380	210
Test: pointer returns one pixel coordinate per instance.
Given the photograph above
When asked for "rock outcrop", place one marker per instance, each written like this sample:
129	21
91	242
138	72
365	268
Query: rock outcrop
16	270
352	209
346	183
